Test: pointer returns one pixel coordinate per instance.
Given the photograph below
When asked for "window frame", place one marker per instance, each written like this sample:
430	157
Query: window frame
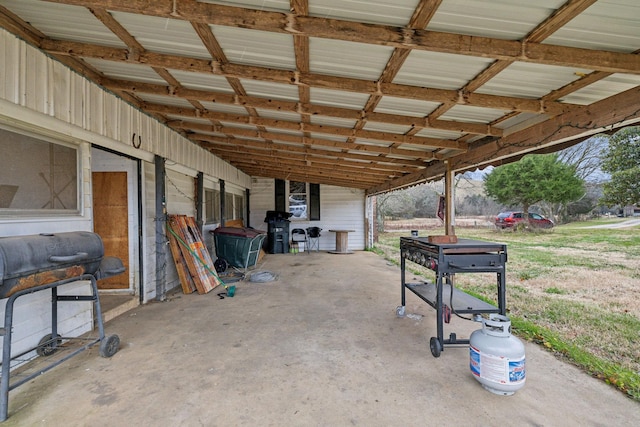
43	212
281	199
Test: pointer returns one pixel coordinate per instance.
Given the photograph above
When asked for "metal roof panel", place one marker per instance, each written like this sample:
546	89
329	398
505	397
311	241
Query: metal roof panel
200	81
64	22
503	19
471	114
332	121
612	25
172	101
225	108
529	80
270	90
604	88
259	48
163	35
269	5
332	97
386	127
279	115
347	59
439	133
125	71
396	13
440	70
405	107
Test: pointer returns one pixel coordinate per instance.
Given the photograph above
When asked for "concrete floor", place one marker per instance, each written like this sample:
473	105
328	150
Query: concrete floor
321	346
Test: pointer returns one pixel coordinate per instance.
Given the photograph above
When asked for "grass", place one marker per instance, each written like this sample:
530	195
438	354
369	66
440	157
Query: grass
572	290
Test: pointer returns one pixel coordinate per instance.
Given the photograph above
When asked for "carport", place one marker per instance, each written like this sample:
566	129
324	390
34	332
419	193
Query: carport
377	95
319	346
373	96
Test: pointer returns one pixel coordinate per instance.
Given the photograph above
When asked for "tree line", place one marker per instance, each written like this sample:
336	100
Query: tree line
599	175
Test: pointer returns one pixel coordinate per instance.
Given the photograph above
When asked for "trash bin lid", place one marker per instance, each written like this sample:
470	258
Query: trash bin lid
238	231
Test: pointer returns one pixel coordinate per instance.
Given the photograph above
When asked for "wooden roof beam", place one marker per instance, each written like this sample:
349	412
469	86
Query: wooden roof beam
384	35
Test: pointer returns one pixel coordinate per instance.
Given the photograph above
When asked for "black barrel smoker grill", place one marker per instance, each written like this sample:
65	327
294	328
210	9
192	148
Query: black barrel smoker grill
34	263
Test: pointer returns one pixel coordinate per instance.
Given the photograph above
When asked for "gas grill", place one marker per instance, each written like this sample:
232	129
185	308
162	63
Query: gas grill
34	263
446	260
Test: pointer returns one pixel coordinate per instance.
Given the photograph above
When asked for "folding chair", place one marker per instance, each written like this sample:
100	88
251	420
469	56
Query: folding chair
313	236
298	235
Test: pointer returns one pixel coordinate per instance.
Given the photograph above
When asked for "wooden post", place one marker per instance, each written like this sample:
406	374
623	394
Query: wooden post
449	192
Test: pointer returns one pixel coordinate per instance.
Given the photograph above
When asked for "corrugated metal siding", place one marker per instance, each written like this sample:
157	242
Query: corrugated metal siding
46	86
180	201
262	200
149	245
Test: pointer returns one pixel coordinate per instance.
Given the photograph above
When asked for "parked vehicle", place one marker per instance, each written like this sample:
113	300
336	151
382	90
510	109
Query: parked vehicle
510	219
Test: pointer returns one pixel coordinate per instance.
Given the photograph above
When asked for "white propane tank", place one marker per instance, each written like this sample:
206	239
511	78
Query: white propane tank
496	357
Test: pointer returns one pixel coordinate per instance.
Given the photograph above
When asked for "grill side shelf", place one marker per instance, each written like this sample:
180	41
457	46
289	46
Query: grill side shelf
462	302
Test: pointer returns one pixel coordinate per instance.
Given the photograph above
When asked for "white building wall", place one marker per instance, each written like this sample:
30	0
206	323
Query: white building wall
39	95
149	244
262	200
341	208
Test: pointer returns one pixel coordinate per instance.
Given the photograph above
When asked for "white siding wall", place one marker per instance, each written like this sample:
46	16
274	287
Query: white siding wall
32	313
42	96
180	201
262	200
340	208
32	317
149	245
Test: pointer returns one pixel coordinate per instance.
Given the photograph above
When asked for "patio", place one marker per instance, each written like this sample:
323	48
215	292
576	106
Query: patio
321	345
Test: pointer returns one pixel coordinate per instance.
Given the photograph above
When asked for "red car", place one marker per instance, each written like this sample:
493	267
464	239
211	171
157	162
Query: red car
510	219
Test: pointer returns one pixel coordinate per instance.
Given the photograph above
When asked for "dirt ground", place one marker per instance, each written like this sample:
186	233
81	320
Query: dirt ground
319	346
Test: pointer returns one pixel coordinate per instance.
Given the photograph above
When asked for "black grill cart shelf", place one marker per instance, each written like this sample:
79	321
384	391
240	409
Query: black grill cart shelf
446	260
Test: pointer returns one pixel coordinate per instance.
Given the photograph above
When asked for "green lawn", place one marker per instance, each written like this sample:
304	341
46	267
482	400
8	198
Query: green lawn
573	290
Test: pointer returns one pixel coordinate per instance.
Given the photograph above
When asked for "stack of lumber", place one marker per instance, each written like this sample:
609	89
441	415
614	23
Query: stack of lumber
193	261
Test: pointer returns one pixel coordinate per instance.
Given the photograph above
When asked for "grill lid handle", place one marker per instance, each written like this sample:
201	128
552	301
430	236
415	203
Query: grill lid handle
78	256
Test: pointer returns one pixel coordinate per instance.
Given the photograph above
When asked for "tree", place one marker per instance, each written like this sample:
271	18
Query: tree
622	160
533	179
585	158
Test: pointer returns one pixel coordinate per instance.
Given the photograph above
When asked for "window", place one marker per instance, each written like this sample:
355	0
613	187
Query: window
302	201
212	206
298	199
36	175
228	206
238	206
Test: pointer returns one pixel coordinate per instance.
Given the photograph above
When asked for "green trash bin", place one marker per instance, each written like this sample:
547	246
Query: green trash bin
239	246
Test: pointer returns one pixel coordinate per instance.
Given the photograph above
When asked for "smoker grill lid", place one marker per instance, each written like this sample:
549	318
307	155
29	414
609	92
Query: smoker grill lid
28	261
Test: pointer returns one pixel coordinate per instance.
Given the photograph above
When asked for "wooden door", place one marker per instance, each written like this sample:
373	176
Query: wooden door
111	221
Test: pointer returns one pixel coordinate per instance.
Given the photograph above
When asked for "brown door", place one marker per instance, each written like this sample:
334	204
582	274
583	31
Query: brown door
111	221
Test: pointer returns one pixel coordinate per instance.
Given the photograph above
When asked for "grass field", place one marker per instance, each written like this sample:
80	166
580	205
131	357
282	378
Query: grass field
573	290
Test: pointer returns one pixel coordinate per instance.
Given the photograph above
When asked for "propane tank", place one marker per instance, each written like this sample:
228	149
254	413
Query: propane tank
496	357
